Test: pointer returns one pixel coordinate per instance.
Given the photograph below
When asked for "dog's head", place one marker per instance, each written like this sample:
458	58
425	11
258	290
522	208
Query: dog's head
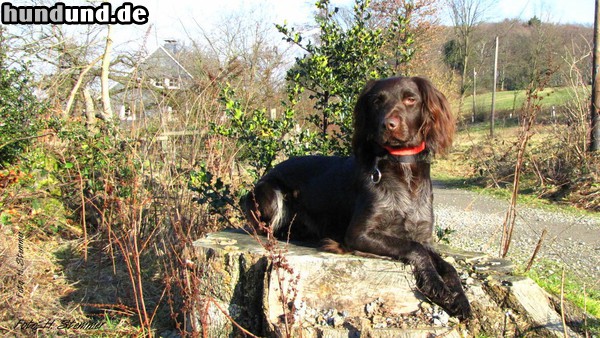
399	113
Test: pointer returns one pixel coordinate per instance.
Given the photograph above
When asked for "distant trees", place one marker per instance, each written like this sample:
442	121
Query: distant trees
466	15
527	49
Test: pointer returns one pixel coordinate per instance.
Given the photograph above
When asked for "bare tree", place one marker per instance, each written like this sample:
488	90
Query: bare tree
466	15
62	60
242	48
423	18
595	120
75	89
65	60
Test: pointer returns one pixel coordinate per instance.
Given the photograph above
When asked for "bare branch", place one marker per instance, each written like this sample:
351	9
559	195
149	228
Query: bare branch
71	99
107	113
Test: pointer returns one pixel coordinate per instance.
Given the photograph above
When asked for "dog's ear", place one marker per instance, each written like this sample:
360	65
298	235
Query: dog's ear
439	125
360	136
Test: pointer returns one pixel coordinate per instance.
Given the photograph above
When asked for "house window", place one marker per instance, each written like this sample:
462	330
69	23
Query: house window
172	83
125	113
158	83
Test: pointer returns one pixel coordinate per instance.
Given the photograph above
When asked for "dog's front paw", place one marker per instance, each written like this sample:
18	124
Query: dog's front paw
454	302
459	307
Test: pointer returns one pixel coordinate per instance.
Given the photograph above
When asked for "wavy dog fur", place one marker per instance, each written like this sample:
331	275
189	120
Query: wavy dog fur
373	202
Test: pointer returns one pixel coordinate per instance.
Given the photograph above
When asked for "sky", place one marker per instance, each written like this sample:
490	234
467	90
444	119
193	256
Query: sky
187	19
557	11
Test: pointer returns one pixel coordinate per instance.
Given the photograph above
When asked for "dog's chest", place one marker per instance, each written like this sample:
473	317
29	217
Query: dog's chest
402	211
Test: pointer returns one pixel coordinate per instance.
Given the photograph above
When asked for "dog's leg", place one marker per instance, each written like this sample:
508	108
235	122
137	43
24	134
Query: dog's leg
459	303
433	285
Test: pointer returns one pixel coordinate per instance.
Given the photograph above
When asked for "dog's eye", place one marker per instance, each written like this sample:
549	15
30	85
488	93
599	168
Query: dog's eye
409	101
379	99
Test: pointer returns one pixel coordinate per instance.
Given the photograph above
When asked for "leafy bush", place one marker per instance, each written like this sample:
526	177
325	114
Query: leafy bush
100	174
20	110
335	69
254	131
82	179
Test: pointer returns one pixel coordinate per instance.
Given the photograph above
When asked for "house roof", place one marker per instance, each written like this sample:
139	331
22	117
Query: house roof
162	63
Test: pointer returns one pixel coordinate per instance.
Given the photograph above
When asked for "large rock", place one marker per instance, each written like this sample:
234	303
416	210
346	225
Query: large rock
272	288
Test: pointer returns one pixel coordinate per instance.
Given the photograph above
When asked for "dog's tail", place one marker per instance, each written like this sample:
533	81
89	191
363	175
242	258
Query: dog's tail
265	208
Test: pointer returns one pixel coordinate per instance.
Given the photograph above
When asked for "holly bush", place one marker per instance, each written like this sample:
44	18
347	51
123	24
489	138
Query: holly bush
20	109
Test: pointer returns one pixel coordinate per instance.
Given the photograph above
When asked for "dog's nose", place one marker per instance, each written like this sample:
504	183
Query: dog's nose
392	123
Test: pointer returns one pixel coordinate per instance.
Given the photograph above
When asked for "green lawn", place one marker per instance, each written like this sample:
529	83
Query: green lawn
509	101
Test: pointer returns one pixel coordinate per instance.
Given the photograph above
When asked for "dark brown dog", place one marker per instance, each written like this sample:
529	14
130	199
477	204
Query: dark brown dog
378	201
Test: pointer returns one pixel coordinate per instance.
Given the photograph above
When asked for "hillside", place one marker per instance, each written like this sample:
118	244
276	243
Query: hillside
512	101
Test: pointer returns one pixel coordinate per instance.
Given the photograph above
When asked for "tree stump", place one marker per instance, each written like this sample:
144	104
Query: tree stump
273	288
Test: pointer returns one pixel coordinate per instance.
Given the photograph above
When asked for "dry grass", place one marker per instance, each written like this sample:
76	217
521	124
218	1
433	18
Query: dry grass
34	287
59	284
553	158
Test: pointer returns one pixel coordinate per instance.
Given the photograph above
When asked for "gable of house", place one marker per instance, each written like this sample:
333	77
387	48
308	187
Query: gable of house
162	69
160	72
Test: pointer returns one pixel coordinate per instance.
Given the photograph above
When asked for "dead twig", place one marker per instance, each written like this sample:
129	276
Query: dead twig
537	249
83	207
562	303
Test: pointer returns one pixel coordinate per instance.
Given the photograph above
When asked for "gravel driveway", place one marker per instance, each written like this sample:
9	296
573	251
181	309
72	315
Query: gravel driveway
573	241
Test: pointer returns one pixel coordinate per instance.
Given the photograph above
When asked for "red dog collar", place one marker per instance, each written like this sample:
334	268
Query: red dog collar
406	151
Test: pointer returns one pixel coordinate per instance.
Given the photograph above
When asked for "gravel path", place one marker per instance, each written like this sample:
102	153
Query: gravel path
572	241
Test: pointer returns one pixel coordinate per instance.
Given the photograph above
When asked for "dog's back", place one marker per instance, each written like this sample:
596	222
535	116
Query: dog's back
311	197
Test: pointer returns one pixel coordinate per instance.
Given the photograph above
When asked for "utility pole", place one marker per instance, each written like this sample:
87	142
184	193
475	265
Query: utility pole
492	117
474	94
595	106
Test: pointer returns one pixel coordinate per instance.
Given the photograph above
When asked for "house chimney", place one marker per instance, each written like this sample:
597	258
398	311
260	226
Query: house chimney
171	46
